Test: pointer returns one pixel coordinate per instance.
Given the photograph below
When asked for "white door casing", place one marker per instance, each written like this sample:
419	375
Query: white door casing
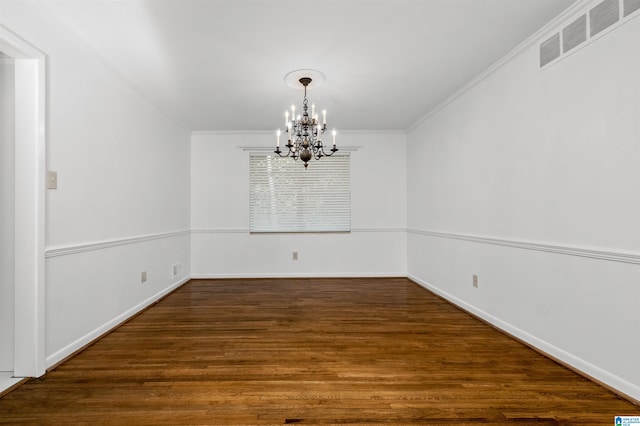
30	175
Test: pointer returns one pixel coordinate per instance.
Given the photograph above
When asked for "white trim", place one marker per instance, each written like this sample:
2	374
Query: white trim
544	31
233	133
220	231
30	134
105	244
570	250
373	132
374	230
300	275
83	341
247	231
623	386
272	133
7	381
270	148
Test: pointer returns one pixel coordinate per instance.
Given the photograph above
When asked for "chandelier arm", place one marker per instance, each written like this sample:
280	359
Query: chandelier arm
322	153
292	150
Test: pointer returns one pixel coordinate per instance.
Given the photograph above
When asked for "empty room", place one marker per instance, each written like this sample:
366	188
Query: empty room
319	212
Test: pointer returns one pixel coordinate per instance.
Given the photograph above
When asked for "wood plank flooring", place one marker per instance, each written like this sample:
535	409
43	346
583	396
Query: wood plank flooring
339	351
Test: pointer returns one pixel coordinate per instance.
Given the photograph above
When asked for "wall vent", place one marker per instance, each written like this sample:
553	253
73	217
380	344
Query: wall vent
604	15
574	34
550	49
630	6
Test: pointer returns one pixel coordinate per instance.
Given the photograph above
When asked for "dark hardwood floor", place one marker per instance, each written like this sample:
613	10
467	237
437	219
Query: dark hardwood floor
275	351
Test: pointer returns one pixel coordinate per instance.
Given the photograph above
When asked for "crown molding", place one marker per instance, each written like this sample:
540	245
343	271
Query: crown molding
272	132
533	39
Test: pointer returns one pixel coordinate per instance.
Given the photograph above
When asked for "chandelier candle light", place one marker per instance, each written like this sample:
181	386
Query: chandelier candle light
304	132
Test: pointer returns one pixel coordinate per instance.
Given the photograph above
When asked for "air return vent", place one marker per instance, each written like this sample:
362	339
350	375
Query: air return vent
574	34
550	49
630	6
604	15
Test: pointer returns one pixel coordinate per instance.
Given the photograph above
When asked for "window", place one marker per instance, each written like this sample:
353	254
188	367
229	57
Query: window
286	197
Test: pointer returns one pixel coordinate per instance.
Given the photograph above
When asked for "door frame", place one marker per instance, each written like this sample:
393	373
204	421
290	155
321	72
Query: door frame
30	179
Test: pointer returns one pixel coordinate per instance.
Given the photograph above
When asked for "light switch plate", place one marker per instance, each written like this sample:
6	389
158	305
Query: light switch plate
52	180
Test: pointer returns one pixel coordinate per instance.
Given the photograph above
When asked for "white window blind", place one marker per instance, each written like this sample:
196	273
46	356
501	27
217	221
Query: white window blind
286	197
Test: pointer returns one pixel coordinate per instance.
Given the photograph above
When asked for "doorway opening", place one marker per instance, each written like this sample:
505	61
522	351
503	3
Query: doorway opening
22	215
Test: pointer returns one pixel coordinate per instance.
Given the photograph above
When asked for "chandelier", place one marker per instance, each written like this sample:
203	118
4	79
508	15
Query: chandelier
304	131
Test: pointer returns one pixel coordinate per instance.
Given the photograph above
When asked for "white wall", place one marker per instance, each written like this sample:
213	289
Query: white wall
7	116
529	179
122	203
223	247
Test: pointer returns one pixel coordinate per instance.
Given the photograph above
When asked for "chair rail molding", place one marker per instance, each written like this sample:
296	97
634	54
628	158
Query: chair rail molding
569	250
104	244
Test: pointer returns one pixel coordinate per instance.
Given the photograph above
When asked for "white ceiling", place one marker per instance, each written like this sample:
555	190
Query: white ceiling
220	64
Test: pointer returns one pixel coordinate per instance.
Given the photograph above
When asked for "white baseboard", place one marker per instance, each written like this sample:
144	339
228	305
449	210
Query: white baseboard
595	373
88	338
300	275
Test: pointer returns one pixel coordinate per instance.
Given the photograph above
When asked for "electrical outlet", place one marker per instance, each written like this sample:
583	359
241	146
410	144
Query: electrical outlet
475	281
143	276
175	269
295	255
